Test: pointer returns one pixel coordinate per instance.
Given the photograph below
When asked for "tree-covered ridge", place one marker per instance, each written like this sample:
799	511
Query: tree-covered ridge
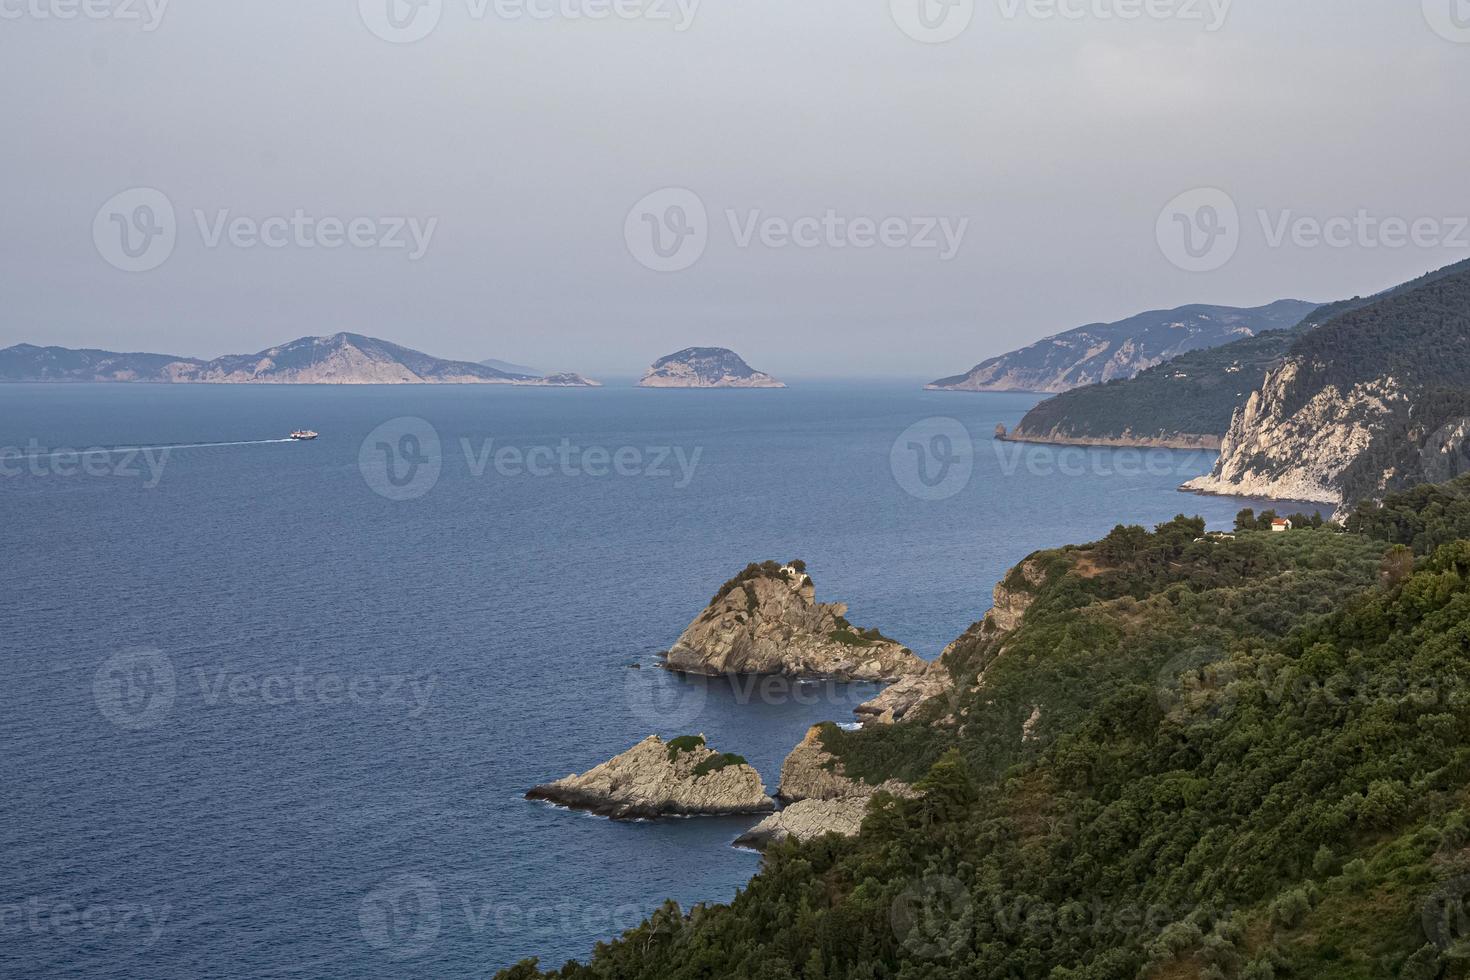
1207	758
1198	394
1195	394
1419	337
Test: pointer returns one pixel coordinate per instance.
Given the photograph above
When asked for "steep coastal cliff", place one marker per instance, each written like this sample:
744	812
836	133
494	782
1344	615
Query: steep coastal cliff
1373	401
1281	453
966	656
683	777
766	620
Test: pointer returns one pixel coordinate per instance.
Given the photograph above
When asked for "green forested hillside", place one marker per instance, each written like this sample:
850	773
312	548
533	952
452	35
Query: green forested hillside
1197	394
1242	758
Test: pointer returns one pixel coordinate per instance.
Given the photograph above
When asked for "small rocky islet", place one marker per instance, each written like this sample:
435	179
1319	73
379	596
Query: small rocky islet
683	777
764	621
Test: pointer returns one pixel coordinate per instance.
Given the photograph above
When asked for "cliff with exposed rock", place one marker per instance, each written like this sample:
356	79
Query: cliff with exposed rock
1373	401
966	656
766	620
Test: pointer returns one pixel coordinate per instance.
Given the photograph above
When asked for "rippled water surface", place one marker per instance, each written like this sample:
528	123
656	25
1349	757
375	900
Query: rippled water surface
264	718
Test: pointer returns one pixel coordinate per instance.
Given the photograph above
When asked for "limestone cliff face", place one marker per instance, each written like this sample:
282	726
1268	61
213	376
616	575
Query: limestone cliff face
656	779
769	622
1289	444
901	700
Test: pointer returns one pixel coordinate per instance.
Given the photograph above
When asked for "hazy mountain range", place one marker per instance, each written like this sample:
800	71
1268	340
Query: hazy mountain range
1101	352
341	359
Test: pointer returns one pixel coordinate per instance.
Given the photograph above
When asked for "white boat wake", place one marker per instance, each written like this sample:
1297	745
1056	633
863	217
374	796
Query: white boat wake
106	451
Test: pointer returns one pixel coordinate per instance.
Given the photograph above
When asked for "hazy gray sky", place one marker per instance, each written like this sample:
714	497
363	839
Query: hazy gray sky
517	136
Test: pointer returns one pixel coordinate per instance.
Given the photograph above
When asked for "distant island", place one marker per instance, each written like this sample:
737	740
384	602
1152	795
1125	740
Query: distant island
341	359
1102	352
705	367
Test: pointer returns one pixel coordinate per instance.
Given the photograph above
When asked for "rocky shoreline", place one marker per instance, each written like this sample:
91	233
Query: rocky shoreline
680	778
1182	441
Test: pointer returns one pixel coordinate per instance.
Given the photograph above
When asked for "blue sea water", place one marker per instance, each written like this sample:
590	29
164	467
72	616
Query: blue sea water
270	709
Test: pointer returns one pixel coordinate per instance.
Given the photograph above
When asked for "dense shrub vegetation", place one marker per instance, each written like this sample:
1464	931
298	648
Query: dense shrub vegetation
1250	760
753	571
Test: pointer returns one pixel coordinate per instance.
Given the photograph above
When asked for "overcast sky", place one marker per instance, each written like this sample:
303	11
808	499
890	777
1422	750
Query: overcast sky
519	148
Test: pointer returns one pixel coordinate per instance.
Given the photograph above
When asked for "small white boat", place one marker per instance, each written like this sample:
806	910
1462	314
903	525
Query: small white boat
303	435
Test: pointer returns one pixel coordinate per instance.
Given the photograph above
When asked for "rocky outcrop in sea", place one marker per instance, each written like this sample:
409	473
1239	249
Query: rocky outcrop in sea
683	777
766	620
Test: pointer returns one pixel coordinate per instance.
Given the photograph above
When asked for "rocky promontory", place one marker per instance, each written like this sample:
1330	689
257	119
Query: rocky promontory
705	367
820	797
980	644
810	772
683	777
806	821
766	620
